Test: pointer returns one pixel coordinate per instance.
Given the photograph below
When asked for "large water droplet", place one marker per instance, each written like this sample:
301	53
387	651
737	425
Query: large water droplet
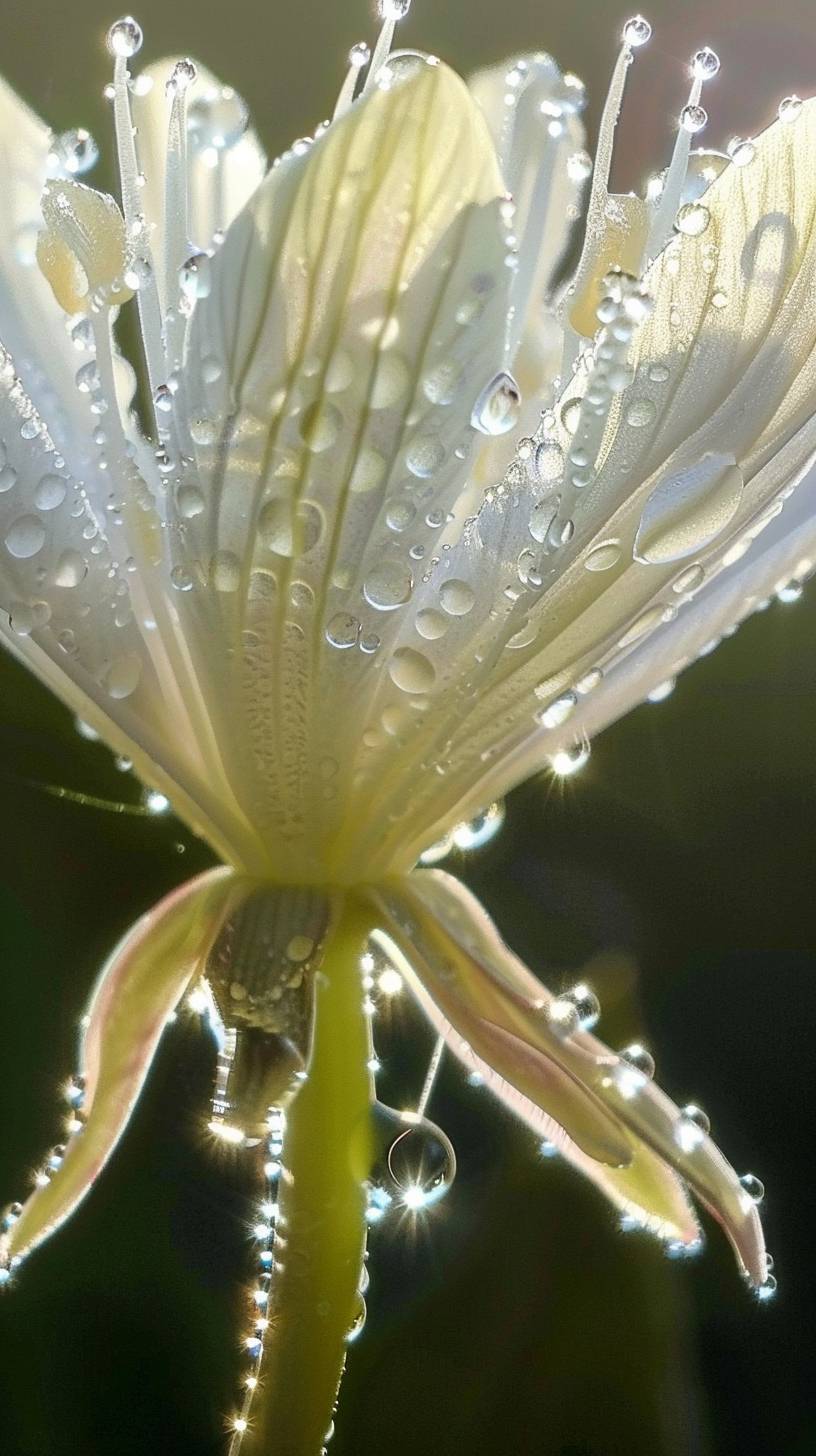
320	426
343	630
636	31
479	831
217	118
411	671
75	151
457	597
25	537
289	532
417	1164
498	407
692	1128
388	586
125	37
50	492
71	569
689	508
692	219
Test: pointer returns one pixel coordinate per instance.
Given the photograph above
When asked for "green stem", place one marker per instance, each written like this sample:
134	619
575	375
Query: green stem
327	1158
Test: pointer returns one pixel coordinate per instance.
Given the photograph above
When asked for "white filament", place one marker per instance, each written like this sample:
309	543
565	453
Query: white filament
671	196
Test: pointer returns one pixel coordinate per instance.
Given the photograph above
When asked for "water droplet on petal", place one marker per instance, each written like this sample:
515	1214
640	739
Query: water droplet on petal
343	630
789	108
25	537
71	569
411	671
388	586
688	508
692	1128
123	674
418	1163
753	1187
50	492
457	597
692	219
498	407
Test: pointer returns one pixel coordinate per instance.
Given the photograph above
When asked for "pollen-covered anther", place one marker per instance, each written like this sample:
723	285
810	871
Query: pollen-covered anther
82	251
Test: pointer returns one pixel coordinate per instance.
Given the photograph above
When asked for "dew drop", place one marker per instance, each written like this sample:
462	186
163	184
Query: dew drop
575	1010
75	151
690	579
692	219
441	383
122	677
125	37
688	509
479	831
636	31
692	1128
425	455
8	478
549	461
558	711
388	586
343	630
431	624
25	537
417	1164
693	118
753	1187
498	407
50	492
603	556
789	108
217	118
640	412
741	151
658	373
181	578
636	1056
706	63
411	671
542	517
579	166
287	532
391	380
71	569
190	501
195	276
457	597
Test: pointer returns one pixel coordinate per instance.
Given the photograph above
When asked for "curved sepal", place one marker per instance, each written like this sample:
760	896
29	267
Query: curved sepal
136	993
498	1019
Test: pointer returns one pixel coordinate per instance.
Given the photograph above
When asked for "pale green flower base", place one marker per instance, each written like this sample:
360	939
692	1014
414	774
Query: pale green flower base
328	1156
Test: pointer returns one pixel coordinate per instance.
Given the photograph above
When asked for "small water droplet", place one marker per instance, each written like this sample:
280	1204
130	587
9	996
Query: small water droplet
692	219
343	630
558	711
706	63
181	578
636	31
71	569
789	108
424	456
25	537
50	492
411	671
640	412
195	276
479	831
692	1128
8	478
125	37
693	118
498	407
388	586
75	151
457	597
431	624
753	1187
190	501
741	151
123	674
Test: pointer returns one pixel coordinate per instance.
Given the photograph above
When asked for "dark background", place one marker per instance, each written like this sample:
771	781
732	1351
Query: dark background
519	1321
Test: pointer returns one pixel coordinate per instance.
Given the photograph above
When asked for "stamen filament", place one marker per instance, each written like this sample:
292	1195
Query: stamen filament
391	11
359	57
672	193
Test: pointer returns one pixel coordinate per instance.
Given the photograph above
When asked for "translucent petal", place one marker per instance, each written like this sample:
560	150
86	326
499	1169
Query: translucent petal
354	316
136	992
33	328
581	555
472	986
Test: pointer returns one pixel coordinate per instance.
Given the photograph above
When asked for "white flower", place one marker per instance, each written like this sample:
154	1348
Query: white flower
356	560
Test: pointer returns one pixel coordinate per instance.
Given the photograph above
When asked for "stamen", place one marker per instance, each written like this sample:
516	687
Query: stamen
391	12
704	65
125	41
176	206
359	57
431	1076
596	256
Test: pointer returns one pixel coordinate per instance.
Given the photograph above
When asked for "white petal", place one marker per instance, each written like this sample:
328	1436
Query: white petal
621	1130
697	453
355	315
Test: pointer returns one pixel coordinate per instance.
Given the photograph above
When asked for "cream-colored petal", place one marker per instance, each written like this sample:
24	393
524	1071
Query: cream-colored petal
101	634
138	989
600	536
472	987
226	161
33	328
355	315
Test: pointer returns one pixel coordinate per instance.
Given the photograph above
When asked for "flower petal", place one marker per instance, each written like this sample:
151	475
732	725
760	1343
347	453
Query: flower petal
632	500
134	996
32	326
226	161
471	984
355	314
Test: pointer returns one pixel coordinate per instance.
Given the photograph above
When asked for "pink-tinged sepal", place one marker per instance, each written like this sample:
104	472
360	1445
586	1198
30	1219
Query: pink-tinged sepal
599	1109
134	997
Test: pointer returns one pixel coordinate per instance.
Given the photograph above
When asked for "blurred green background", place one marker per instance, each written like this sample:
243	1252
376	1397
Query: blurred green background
520	1320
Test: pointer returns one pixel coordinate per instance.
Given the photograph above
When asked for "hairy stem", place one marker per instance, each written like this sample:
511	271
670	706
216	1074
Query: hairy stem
327	1158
